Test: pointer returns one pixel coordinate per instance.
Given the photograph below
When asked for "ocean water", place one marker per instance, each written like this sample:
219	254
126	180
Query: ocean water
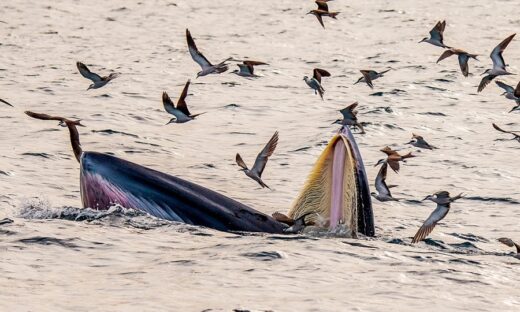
56	257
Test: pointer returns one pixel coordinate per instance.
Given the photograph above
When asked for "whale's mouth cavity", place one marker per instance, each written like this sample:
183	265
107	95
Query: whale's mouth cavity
337	189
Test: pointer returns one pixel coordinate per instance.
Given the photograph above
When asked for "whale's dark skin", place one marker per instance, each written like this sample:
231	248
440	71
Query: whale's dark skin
107	180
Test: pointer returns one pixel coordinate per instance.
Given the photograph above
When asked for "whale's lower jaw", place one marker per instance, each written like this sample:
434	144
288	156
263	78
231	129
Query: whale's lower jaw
106	180
337	189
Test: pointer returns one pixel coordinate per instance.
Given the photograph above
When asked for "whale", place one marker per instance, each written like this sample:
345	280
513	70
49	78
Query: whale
106	180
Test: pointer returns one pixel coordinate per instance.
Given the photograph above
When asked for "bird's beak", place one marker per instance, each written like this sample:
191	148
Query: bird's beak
421	41
410	142
428	197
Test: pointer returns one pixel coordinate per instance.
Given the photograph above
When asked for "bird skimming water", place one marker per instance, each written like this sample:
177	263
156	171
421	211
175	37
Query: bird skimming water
350	117
181	112
511	93
443	201
247	68
255	173
323	10
437	35
393	158
420	142
499	65
97	80
369	76
315	82
199	58
463	57
383	191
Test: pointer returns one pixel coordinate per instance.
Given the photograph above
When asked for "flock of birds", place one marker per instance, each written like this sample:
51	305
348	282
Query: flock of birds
181	114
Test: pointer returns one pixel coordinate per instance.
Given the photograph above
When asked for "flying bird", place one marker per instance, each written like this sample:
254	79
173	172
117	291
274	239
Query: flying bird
393	158
369	76
350	117
443	201
199	58
315	82
383	191
437	35
247	68
5	102
499	65
255	173
511	93
97	80
323	10
516	136
420	142
181	112
463	57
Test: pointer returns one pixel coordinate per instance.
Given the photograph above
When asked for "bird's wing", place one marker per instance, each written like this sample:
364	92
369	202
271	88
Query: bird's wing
320	19
261	159
437	30
463	62
484	82
198	57
505	86
322	5
445	54
380	182
181	102
317	73
168	104
368	80
348	112
49	117
496	54
517	90
240	162
5	102
394	164
438	214
246	69
85	72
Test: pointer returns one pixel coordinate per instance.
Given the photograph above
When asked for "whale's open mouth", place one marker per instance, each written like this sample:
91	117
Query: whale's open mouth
337	189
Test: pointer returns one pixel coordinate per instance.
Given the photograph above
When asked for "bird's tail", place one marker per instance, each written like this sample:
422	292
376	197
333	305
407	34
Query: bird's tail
333	14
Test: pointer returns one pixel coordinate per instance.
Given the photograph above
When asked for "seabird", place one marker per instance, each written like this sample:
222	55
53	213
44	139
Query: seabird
97	80
511	93
199	58
255	173
247	68
181	112
393	158
499	65
510	243
323	10
369	76
516	136
443	201
420	142
350	117
383	191
436	35
5	102
315	81
463	58
295	226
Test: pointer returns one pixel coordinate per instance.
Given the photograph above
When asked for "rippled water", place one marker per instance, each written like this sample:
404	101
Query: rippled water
56	257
